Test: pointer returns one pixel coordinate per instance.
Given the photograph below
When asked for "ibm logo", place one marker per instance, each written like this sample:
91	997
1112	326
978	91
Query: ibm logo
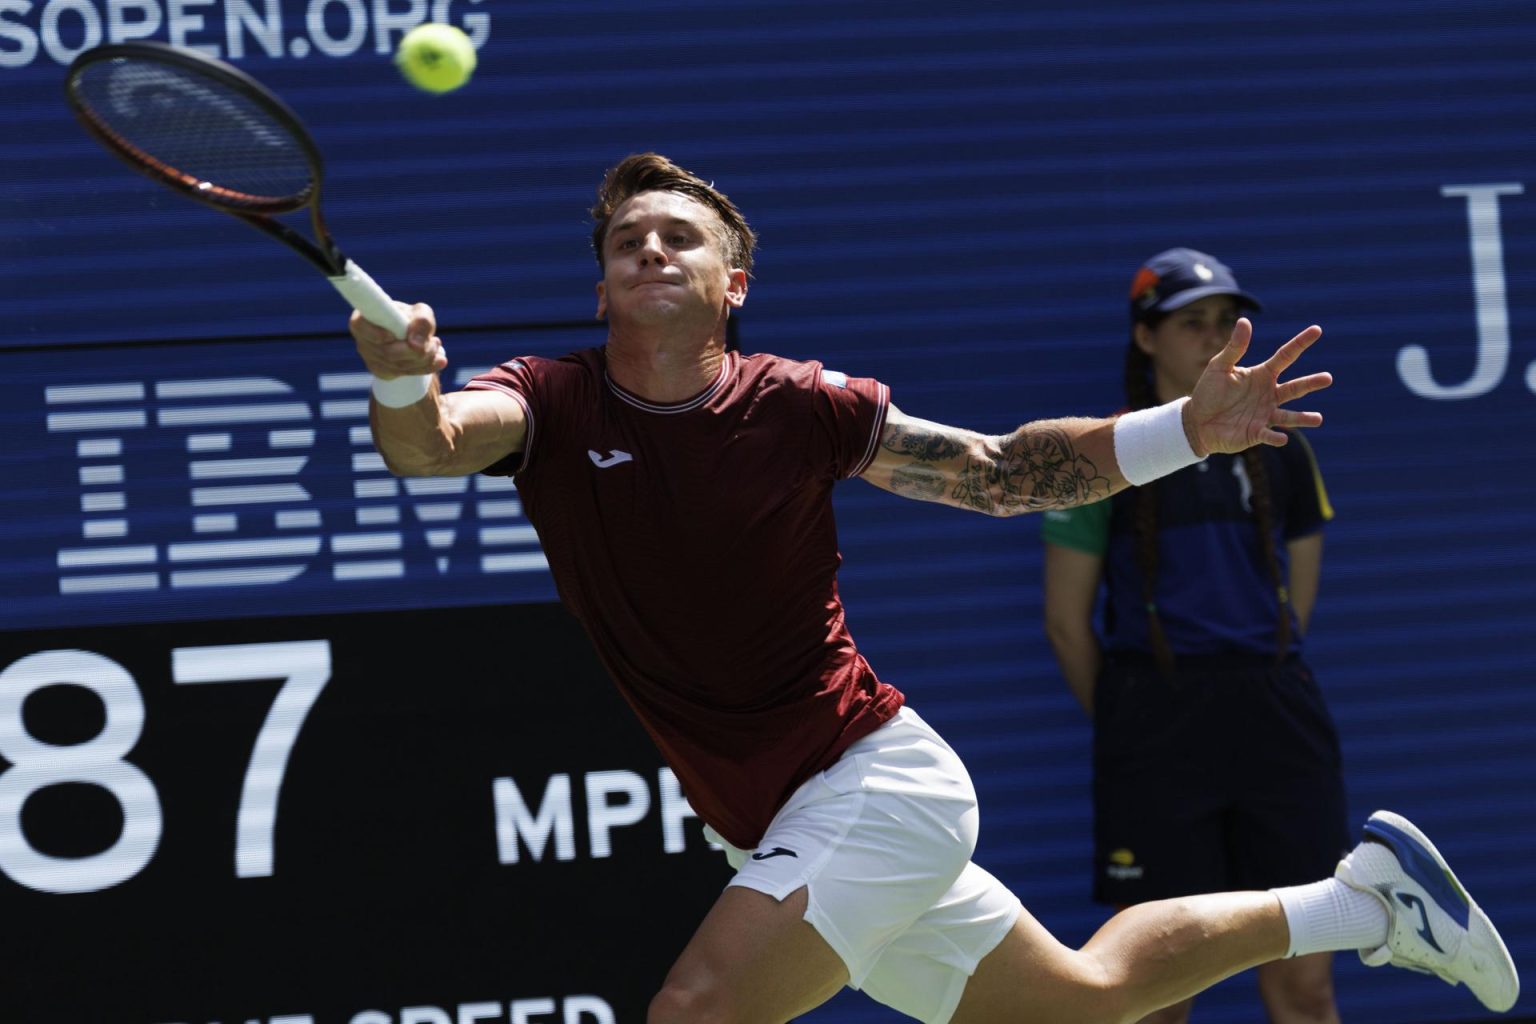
231	452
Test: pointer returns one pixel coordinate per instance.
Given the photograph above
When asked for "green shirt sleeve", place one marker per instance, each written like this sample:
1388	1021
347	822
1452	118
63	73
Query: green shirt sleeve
1084	528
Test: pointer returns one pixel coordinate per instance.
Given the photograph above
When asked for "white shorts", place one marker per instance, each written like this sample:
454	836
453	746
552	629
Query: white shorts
882	840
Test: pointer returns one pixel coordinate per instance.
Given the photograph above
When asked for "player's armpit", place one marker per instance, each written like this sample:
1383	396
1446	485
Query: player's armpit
1039	466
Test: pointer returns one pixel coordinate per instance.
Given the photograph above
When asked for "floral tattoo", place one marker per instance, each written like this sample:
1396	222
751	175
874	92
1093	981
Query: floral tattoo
1034	468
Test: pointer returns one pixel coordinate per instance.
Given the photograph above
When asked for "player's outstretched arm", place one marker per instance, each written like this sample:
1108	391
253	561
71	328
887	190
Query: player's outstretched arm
417	429
1060	463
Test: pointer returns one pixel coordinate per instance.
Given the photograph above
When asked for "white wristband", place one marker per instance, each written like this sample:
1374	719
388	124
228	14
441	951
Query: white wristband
1151	443
402	391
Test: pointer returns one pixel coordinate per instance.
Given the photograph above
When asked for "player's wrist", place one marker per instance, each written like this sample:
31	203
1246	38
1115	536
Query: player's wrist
400	392
1152	443
1192	430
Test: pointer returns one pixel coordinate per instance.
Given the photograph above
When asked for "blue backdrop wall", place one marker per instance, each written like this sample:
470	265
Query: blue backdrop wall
950	198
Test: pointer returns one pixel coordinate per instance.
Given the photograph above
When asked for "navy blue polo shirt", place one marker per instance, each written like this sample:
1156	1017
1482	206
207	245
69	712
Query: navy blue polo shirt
1214	593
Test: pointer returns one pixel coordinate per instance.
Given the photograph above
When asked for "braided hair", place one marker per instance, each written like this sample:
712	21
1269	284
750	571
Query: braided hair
1140	394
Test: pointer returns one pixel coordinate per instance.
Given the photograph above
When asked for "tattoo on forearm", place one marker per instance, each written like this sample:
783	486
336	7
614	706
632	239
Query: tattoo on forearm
1032	469
1038	468
915	480
924	446
922	482
973	489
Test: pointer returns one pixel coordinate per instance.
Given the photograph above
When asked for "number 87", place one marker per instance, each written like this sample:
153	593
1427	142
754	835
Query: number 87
304	667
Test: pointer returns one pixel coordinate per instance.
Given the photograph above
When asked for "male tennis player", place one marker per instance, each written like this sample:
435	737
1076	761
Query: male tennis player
682	494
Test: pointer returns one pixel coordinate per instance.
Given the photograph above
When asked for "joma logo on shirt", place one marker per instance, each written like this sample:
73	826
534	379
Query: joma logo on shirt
613	458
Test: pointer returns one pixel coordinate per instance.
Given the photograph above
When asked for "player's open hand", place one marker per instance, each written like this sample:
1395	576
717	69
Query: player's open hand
1236	407
386	356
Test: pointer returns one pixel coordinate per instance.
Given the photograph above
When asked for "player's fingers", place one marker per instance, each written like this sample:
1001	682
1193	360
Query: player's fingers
1274	438
420	323
1293	418
1288	353
1236	345
433	356
1302	386
366	332
390	357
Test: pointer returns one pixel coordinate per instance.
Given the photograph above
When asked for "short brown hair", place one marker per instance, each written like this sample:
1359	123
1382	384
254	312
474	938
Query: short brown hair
652	172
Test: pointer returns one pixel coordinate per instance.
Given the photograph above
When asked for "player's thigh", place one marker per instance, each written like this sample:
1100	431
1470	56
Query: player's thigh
924	971
753	960
1030	976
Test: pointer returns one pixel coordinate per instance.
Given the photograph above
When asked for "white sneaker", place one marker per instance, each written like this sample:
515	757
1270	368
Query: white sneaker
1435	928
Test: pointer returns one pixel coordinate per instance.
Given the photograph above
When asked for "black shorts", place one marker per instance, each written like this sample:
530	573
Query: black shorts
1225	776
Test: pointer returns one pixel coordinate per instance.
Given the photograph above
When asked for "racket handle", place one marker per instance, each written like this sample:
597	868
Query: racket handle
365	295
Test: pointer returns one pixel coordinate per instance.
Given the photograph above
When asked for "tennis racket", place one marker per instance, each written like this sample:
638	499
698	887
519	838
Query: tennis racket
215	134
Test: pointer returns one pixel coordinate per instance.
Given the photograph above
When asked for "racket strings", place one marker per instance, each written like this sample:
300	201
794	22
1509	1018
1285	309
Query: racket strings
196	130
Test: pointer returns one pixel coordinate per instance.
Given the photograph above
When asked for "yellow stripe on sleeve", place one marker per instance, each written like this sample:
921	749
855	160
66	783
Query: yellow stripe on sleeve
1323	504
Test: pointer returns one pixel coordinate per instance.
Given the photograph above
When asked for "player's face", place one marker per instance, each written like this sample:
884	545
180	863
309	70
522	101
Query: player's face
664	260
1185	341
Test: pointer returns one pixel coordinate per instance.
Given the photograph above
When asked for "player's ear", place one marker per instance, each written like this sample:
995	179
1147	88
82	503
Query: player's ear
602	302
736	287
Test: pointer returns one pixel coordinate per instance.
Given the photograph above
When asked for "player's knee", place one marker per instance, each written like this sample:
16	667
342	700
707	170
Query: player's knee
686	1004
1103	992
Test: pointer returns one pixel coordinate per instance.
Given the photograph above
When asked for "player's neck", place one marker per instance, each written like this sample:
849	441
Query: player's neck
659	369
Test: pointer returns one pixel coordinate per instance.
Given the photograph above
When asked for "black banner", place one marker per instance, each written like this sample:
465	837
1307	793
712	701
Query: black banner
422	817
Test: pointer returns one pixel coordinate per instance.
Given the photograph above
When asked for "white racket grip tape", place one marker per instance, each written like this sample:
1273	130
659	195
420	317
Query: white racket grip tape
369	299
1151	443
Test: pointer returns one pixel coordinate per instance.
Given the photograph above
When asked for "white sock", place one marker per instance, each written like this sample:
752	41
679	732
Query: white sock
1329	915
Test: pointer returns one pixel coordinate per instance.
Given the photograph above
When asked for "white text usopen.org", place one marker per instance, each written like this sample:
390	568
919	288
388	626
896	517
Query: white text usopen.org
54	32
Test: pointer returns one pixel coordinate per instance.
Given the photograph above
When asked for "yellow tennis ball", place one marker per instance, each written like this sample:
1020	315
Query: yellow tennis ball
435	57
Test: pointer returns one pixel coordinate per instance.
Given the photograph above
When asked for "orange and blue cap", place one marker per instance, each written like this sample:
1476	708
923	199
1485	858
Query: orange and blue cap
1176	277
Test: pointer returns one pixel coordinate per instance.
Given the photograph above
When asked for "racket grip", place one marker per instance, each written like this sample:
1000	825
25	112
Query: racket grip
365	295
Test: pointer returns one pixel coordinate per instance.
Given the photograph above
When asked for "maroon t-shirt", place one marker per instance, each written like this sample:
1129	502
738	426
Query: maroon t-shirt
695	542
